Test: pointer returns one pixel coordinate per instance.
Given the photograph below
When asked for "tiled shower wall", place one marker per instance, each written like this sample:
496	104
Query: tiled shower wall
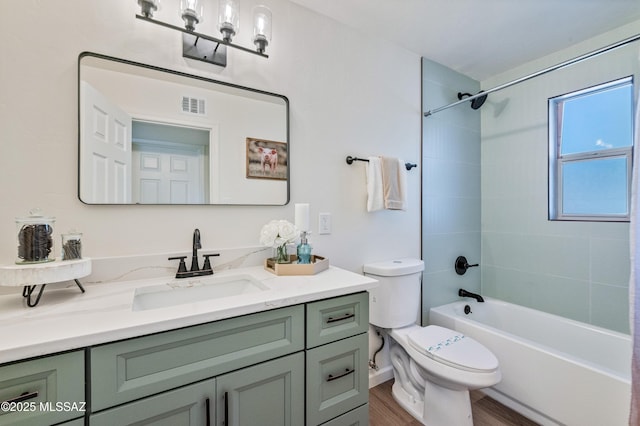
450	186
485	194
578	270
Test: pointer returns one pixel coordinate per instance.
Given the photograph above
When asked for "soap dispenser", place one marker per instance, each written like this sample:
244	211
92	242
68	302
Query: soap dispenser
304	249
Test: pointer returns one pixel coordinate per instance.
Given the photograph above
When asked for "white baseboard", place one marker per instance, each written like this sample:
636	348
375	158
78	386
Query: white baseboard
380	376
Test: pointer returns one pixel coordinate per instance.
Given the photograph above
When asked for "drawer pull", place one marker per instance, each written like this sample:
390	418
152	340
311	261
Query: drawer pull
342	318
23	397
207	406
331	377
226	408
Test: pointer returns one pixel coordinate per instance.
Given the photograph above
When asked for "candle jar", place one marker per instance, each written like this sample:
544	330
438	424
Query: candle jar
35	238
72	246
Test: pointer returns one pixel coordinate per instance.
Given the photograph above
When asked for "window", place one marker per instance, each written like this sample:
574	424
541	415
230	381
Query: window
590	143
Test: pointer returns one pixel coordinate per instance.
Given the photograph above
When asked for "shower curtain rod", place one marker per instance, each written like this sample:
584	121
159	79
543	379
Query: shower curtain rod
538	73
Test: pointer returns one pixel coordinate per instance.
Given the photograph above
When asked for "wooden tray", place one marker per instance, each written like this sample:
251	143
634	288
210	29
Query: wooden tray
318	264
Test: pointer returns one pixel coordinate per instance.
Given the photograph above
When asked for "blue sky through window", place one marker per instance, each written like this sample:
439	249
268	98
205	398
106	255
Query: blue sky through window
596	121
596	134
595	187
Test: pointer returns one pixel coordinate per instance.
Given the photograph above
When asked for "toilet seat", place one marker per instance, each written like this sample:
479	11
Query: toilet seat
452	348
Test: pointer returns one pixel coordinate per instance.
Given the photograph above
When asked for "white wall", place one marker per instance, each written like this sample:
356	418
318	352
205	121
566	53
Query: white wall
344	101
579	270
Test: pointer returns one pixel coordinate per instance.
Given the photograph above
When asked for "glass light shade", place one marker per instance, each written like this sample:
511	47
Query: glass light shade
261	27
147	7
191	12
229	18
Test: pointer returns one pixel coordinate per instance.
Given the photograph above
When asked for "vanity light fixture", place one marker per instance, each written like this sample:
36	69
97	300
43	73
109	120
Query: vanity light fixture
147	7
261	27
228	19
191	12
206	48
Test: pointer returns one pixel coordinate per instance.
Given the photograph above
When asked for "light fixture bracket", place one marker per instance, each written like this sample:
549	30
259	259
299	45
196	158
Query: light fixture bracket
204	50
202	47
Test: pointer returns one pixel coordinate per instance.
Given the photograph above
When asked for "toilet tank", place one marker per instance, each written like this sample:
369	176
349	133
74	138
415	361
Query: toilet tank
395	302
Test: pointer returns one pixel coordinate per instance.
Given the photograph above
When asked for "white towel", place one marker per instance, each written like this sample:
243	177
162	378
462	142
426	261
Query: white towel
394	183
375	199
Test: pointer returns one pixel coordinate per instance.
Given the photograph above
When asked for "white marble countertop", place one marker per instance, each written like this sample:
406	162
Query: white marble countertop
67	319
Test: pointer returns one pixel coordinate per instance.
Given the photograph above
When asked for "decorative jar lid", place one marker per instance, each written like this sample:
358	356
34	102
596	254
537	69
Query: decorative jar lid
35	217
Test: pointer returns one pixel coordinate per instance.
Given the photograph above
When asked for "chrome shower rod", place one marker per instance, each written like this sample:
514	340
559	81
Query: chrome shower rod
539	73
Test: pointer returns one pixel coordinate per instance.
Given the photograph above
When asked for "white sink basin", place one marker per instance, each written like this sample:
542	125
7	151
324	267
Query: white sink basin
190	290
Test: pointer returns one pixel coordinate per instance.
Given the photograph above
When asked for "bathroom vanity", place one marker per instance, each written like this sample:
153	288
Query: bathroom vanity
295	352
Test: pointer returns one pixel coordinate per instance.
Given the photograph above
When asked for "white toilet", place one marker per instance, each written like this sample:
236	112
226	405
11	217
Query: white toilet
434	367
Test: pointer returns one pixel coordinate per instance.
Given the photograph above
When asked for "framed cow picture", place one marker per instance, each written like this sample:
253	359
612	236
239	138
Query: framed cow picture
267	159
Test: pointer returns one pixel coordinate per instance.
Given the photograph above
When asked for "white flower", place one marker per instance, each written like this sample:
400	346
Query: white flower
278	232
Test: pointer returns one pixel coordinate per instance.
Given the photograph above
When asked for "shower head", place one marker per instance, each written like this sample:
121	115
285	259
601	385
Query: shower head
475	103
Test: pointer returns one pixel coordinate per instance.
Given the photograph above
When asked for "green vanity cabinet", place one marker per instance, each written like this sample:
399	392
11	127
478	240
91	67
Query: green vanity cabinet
43	391
337	379
192	405
271	393
304	364
135	368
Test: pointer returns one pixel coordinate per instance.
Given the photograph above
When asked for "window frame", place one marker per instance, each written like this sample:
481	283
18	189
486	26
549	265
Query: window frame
557	160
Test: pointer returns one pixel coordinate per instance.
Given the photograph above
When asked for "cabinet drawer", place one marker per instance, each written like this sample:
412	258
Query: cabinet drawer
39	384
333	319
337	378
192	405
135	368
357	417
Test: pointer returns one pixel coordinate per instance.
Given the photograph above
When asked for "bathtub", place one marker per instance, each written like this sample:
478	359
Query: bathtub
554	370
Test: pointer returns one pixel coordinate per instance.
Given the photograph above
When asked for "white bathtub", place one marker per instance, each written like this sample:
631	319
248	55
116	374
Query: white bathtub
554	370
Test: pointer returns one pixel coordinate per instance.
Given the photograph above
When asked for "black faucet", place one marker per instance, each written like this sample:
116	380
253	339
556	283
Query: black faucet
195	270
465	293
196	245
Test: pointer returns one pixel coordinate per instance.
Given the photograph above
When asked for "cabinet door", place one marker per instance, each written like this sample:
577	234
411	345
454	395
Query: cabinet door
192	405
271	393
337	378
34	389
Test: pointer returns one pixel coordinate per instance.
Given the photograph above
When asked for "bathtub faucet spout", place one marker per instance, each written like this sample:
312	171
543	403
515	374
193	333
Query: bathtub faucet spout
465	293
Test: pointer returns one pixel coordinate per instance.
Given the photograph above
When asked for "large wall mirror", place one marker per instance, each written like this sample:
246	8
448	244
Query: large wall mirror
148	135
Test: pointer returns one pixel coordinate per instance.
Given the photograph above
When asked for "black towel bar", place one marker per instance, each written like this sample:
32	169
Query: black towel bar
351	159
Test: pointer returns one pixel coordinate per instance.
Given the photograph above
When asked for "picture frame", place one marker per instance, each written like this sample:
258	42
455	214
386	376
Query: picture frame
267	159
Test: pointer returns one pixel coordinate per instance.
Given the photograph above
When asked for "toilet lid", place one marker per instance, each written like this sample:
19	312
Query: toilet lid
452	348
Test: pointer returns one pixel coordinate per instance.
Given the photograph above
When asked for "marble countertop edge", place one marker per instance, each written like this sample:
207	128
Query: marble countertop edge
67	319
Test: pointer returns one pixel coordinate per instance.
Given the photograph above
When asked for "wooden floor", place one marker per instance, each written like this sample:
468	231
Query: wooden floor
385	411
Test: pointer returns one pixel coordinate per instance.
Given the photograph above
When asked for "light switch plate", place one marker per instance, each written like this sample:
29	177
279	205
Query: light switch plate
324	223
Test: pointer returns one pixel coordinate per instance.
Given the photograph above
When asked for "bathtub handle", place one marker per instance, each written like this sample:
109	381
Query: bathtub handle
462	265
